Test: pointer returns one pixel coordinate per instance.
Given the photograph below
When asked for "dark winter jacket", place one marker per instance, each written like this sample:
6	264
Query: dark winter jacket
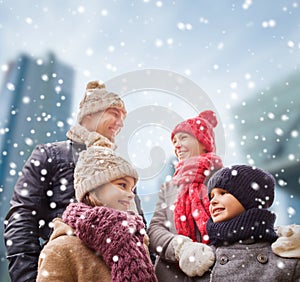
41	194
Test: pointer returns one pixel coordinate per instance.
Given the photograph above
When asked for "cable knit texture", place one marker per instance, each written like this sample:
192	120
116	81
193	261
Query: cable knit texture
97	166
118	236
257	224
192	204
201	127
98	99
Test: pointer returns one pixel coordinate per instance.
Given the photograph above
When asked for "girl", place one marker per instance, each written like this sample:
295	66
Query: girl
98	239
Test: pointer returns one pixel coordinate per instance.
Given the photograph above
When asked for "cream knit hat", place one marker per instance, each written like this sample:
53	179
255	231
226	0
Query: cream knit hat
97	99
97	166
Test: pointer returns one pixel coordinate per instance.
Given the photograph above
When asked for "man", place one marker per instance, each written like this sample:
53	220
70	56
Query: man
45	187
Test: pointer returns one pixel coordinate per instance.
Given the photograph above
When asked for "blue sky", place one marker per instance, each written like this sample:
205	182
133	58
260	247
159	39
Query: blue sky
231	49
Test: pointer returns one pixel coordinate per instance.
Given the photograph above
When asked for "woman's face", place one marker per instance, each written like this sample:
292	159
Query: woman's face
116	194
186	146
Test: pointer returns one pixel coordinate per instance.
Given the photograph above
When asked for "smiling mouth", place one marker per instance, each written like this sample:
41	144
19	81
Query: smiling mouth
217	211
180	153
124	203
114	130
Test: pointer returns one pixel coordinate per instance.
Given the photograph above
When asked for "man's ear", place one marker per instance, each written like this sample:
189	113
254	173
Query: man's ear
89	116
85	119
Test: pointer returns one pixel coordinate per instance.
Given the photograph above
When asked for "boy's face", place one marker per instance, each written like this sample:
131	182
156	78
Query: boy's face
117	194
186	146
223	205
107	123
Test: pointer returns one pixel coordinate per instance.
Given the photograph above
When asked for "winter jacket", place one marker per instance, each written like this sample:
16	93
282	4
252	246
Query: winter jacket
41	194
162	228
66	258
251	262
233	263
161	233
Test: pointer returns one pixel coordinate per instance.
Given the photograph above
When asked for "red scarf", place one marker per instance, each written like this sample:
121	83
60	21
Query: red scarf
192	203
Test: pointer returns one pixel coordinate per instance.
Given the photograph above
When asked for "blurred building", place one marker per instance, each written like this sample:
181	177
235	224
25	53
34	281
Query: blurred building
149	199
268	126
35	107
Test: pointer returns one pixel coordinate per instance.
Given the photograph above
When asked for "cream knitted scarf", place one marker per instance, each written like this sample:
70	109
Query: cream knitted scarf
80	134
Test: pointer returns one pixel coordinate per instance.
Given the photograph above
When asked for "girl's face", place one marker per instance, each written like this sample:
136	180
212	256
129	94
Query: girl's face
186	146
117	194
223	205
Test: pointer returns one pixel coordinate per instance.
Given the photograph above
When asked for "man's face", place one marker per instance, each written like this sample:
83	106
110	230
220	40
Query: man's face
107	123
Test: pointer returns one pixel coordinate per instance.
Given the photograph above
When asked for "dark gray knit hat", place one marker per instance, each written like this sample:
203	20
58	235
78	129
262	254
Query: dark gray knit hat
253	187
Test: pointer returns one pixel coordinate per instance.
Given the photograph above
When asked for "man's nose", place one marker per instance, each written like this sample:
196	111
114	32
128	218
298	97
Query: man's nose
120	122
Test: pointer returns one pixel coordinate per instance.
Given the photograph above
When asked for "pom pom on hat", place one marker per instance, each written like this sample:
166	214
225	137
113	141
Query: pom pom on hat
252	187
97	166
201	127
97	99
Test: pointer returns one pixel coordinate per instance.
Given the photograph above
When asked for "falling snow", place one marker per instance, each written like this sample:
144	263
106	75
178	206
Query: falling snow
244	54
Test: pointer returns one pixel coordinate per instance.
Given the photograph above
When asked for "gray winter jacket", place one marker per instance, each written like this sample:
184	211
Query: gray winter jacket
237	262
251	262
161	233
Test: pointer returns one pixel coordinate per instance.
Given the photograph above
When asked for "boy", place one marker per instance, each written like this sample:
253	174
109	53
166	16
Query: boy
241	227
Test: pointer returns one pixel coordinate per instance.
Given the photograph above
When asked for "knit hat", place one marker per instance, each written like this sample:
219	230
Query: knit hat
201	127
253	187
97	166
97	99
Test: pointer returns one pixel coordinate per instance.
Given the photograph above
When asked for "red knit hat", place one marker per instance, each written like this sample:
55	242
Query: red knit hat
201	127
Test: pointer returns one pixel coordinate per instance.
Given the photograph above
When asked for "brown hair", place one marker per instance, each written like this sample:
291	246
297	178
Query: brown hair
87	200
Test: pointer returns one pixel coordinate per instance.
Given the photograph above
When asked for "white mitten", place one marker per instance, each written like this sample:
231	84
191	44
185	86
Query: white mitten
194	258
288	243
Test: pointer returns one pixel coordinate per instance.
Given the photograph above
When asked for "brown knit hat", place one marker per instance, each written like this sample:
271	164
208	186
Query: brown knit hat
201	127
97	166
97	99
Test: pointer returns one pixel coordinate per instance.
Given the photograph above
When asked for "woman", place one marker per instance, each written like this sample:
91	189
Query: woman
181	213
97	239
